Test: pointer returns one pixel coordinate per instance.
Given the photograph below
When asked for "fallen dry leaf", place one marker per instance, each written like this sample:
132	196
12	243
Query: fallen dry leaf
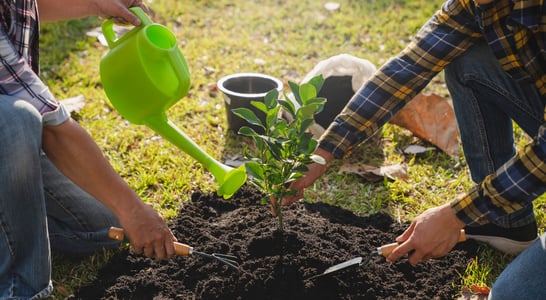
480	290
375	173
468	294
431	118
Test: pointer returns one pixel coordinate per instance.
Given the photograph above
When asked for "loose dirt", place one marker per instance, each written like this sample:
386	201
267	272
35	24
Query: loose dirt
274	265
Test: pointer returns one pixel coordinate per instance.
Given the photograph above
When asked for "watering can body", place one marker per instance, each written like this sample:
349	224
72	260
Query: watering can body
144	73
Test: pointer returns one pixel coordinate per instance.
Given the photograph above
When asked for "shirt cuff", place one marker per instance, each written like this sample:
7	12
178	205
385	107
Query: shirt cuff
335	143
56	117
467	208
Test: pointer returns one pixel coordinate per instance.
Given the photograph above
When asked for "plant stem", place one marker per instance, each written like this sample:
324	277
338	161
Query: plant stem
280	219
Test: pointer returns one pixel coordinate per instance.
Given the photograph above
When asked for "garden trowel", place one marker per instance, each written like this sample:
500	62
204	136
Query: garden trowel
384	250
183	249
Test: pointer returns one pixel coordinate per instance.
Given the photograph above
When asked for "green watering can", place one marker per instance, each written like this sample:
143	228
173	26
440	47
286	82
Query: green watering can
143	75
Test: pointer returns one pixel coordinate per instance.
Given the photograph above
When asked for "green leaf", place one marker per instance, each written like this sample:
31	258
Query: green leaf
270	99
301	169
295	176
317	82
307	92
288	107
259	105
295	91
306	124
306	111
272	117
248	115
255	170
274	147
319	102
247	131
280	128
276	179
307	144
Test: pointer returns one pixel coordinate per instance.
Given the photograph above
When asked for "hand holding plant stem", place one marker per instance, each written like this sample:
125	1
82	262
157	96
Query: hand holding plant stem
285	148
315	171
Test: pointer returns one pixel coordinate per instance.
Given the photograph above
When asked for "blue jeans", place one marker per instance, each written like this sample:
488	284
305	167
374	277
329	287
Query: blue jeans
40	209
486	102
525	276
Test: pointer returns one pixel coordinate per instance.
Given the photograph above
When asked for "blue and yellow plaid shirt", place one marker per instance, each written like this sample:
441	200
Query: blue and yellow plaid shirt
516	32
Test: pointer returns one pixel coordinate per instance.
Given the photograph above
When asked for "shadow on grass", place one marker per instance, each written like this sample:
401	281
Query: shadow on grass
59	39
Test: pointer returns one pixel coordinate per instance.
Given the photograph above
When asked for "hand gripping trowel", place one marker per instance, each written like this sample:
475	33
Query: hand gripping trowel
384	251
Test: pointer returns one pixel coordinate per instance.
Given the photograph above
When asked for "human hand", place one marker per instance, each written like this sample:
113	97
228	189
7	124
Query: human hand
315	170
119	11
432	234
148	233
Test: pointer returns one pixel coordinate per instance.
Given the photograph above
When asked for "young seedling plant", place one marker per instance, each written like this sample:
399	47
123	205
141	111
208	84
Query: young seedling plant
285	148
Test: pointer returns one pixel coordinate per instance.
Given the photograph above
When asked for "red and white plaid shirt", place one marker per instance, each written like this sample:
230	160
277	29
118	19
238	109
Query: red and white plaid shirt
19	59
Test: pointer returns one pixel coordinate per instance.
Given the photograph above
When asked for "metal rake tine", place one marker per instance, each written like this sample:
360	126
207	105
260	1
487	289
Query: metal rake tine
227	259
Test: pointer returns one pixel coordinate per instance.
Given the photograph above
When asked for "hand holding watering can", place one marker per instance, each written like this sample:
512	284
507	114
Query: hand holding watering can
143	75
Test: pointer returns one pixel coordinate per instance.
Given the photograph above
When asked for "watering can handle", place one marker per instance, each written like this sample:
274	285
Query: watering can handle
108	26
183	75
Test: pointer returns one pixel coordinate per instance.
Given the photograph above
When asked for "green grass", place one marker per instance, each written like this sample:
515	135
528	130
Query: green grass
281	38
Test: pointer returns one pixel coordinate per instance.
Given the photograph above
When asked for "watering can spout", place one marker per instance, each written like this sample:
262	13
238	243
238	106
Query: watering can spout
229	179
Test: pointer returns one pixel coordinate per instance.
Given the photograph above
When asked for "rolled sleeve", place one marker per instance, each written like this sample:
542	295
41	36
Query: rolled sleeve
17	79
55	117
516	184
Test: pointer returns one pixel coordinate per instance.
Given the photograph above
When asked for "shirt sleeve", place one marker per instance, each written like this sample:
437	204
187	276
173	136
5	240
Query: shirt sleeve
17	79
516	184
443	38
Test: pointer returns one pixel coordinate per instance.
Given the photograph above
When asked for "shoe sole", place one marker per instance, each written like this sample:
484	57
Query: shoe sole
501	244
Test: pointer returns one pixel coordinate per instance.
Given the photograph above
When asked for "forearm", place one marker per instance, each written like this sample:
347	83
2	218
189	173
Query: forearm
55	10
73	151
77	156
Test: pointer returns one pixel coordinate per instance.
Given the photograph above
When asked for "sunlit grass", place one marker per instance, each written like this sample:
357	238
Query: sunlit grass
484	269
284	39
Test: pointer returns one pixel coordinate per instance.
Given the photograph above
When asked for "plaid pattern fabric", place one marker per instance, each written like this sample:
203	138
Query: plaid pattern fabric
19	63
19	21
516	32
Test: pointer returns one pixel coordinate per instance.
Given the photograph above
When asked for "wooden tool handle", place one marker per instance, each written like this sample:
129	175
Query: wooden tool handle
386	250
179	248
116	233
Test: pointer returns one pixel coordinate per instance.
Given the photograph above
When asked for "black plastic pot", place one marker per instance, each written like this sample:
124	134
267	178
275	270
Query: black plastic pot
242	88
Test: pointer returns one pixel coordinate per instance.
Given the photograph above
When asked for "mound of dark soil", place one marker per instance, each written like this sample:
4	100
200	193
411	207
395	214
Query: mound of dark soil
274	265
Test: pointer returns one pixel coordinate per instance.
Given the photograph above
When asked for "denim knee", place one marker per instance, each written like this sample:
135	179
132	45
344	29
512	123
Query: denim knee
25	270
20	125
